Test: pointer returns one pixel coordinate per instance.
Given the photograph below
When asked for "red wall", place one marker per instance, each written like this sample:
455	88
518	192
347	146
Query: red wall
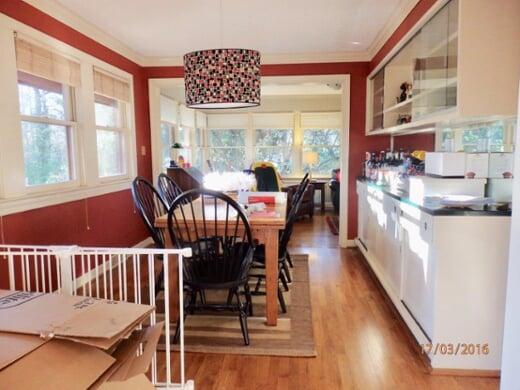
111	217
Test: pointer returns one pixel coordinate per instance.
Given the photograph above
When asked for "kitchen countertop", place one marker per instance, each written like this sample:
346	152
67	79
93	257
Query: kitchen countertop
435	208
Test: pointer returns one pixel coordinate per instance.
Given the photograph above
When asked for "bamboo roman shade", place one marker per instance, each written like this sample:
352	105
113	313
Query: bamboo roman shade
110	86
42	62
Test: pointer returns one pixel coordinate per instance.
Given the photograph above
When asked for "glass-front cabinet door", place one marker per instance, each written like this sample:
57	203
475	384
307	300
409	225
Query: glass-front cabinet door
435	65
421	78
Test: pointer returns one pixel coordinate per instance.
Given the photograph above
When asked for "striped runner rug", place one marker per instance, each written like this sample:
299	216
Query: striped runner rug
220	332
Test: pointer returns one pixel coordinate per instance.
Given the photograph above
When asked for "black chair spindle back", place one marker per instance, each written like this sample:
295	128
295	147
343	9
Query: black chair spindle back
168	189
220	239
150	205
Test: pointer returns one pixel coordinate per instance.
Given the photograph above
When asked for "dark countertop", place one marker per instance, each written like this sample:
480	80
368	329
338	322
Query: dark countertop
434	208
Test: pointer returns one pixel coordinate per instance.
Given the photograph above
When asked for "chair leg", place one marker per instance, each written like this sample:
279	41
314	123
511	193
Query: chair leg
230	297
258	284
249	300
288	257
282	301
202	297
177	326
282	278
159	282
287	272
242	316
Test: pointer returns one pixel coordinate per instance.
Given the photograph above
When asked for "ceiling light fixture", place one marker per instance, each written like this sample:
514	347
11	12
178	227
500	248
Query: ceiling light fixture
222	78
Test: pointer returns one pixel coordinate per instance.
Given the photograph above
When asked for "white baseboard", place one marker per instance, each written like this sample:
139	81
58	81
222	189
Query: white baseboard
351	244
91	275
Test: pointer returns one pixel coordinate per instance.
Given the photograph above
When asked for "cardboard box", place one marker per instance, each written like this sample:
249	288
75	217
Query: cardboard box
54	364
53	341
97	322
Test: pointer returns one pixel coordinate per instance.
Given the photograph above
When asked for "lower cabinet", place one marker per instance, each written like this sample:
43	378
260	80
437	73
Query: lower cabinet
444	274
418	274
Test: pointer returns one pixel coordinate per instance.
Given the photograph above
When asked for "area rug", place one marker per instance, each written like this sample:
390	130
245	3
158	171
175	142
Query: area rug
220	333
333	223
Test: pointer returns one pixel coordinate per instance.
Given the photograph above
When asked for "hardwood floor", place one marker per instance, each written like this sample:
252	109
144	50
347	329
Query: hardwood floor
361	343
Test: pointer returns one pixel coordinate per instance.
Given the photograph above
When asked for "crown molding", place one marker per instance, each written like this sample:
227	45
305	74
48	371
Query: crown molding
397	17
64	15
277	58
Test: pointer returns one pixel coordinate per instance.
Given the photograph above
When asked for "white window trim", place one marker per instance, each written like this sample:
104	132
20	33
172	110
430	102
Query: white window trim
15	197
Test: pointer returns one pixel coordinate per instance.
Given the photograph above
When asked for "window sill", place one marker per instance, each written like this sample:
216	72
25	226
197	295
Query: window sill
39	200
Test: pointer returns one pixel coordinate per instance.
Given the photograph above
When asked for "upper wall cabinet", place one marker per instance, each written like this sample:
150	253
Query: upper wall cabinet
461	63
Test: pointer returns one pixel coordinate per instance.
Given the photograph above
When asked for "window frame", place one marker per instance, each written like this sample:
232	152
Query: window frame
71	126
304	146
291	147
15	196
123	130
246	147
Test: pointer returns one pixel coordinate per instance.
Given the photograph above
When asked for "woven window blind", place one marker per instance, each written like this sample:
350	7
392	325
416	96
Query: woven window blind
107	85
39	61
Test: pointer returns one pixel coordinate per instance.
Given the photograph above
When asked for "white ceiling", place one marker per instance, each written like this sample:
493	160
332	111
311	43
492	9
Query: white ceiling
315	86
171	28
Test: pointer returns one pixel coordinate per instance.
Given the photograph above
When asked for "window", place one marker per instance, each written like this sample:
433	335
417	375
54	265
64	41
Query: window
275	145
47	130
479	138
326	143
197	149
167	130
111	136
227	150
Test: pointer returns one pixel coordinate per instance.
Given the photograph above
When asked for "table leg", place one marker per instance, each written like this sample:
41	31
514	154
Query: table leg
271	276
173	282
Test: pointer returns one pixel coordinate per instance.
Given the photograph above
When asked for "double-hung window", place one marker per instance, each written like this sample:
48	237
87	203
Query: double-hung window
321	135
46	84
227	149
326	143
275	145
111	98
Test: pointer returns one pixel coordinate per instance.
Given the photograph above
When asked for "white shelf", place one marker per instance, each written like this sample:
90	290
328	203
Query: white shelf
449	83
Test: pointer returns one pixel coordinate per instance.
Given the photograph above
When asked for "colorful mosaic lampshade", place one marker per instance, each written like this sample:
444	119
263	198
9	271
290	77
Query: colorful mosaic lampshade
222	78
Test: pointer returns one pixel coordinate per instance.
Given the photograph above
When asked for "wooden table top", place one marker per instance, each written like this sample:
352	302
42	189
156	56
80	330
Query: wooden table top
256	220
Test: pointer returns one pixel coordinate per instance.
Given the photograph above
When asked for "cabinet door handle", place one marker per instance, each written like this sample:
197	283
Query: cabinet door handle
426	226
395	209
401	213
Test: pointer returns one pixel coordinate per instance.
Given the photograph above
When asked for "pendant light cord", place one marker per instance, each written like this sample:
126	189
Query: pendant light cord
220	24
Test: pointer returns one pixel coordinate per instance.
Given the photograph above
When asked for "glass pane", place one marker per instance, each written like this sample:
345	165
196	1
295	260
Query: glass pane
182	134
110	153
321	137
46	153
328	159
198	137
281	157
40	97
235	137
198	158
165	143
228	159
107	112
274	137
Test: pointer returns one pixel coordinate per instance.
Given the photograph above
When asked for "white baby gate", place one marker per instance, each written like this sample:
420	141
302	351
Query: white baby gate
108	273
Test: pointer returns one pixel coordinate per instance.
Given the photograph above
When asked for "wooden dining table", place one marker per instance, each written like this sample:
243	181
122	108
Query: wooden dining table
265	228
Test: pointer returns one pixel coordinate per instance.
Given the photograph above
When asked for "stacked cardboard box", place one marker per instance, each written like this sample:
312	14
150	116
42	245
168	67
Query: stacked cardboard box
54	341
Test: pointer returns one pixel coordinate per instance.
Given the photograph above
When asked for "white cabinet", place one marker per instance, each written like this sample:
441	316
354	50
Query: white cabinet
445	274
418	269
463	63
392	244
